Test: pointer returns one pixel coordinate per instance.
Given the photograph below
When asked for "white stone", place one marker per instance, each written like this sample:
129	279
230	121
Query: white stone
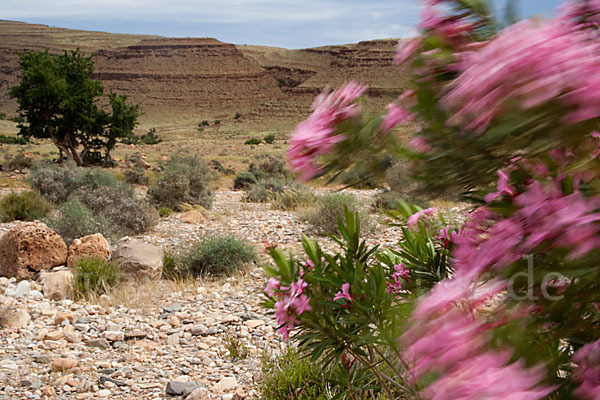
21	290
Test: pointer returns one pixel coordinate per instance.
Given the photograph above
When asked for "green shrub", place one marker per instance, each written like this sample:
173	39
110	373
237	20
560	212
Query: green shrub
54	183
164	212
218	255
91	178
128	215
270	138
150	137
253	141
244	180
237	115
258	193
329	210
94	276
236	348
136	176
217	121
24	206
265	190
174	268
186	179
130	139
386	201
293	198
271	167
291	376
13	140
2	116
19	161
74	220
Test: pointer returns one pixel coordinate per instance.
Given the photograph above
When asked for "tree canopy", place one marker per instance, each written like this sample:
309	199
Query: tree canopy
58	100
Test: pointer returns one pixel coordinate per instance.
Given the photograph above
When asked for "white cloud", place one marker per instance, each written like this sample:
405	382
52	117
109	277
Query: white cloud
298	23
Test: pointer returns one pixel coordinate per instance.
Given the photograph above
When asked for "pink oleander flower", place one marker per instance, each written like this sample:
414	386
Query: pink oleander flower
419	145
454	28
344	294
445	236
272	287
531	64
490	376
413	220
317	135
396	114
292	302
503	188
439	343
405	50
400	275
587	373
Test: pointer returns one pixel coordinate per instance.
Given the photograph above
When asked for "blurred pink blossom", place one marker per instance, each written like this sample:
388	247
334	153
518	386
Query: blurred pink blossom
396	114
587	373
532	64
317	135
413	220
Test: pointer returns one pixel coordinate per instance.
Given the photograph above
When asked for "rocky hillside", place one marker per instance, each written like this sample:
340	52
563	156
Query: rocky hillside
196	78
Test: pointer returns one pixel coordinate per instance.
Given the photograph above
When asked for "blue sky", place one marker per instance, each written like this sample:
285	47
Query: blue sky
285	23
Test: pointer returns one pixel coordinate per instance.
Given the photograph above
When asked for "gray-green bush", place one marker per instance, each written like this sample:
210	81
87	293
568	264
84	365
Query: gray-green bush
24	206
186	179
74	220
128	215
329	210
53	182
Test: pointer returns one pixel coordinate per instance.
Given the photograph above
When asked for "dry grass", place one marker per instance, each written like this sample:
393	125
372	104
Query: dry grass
146	295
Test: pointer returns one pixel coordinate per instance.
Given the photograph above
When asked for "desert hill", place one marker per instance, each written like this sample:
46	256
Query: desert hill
196	78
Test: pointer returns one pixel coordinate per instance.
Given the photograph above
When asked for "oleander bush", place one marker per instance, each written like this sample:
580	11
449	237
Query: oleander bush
505	305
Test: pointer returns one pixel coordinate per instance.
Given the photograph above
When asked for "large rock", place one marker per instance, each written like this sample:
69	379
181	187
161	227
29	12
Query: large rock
88	246
29	248
57	285
139	260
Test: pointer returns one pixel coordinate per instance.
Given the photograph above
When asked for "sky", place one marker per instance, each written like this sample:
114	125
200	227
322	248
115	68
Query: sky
284	23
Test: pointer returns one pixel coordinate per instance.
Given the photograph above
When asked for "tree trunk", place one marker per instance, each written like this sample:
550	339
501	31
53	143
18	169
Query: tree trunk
68	149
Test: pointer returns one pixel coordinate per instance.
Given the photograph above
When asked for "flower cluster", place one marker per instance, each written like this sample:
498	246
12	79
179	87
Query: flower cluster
291	302
399	276
530	64
587	373
317	135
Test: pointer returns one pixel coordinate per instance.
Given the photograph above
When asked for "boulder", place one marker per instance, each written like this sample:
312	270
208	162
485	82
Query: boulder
140	261
192	217
57	285
88	246
29	248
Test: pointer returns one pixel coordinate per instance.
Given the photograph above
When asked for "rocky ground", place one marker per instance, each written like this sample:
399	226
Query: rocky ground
161	339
